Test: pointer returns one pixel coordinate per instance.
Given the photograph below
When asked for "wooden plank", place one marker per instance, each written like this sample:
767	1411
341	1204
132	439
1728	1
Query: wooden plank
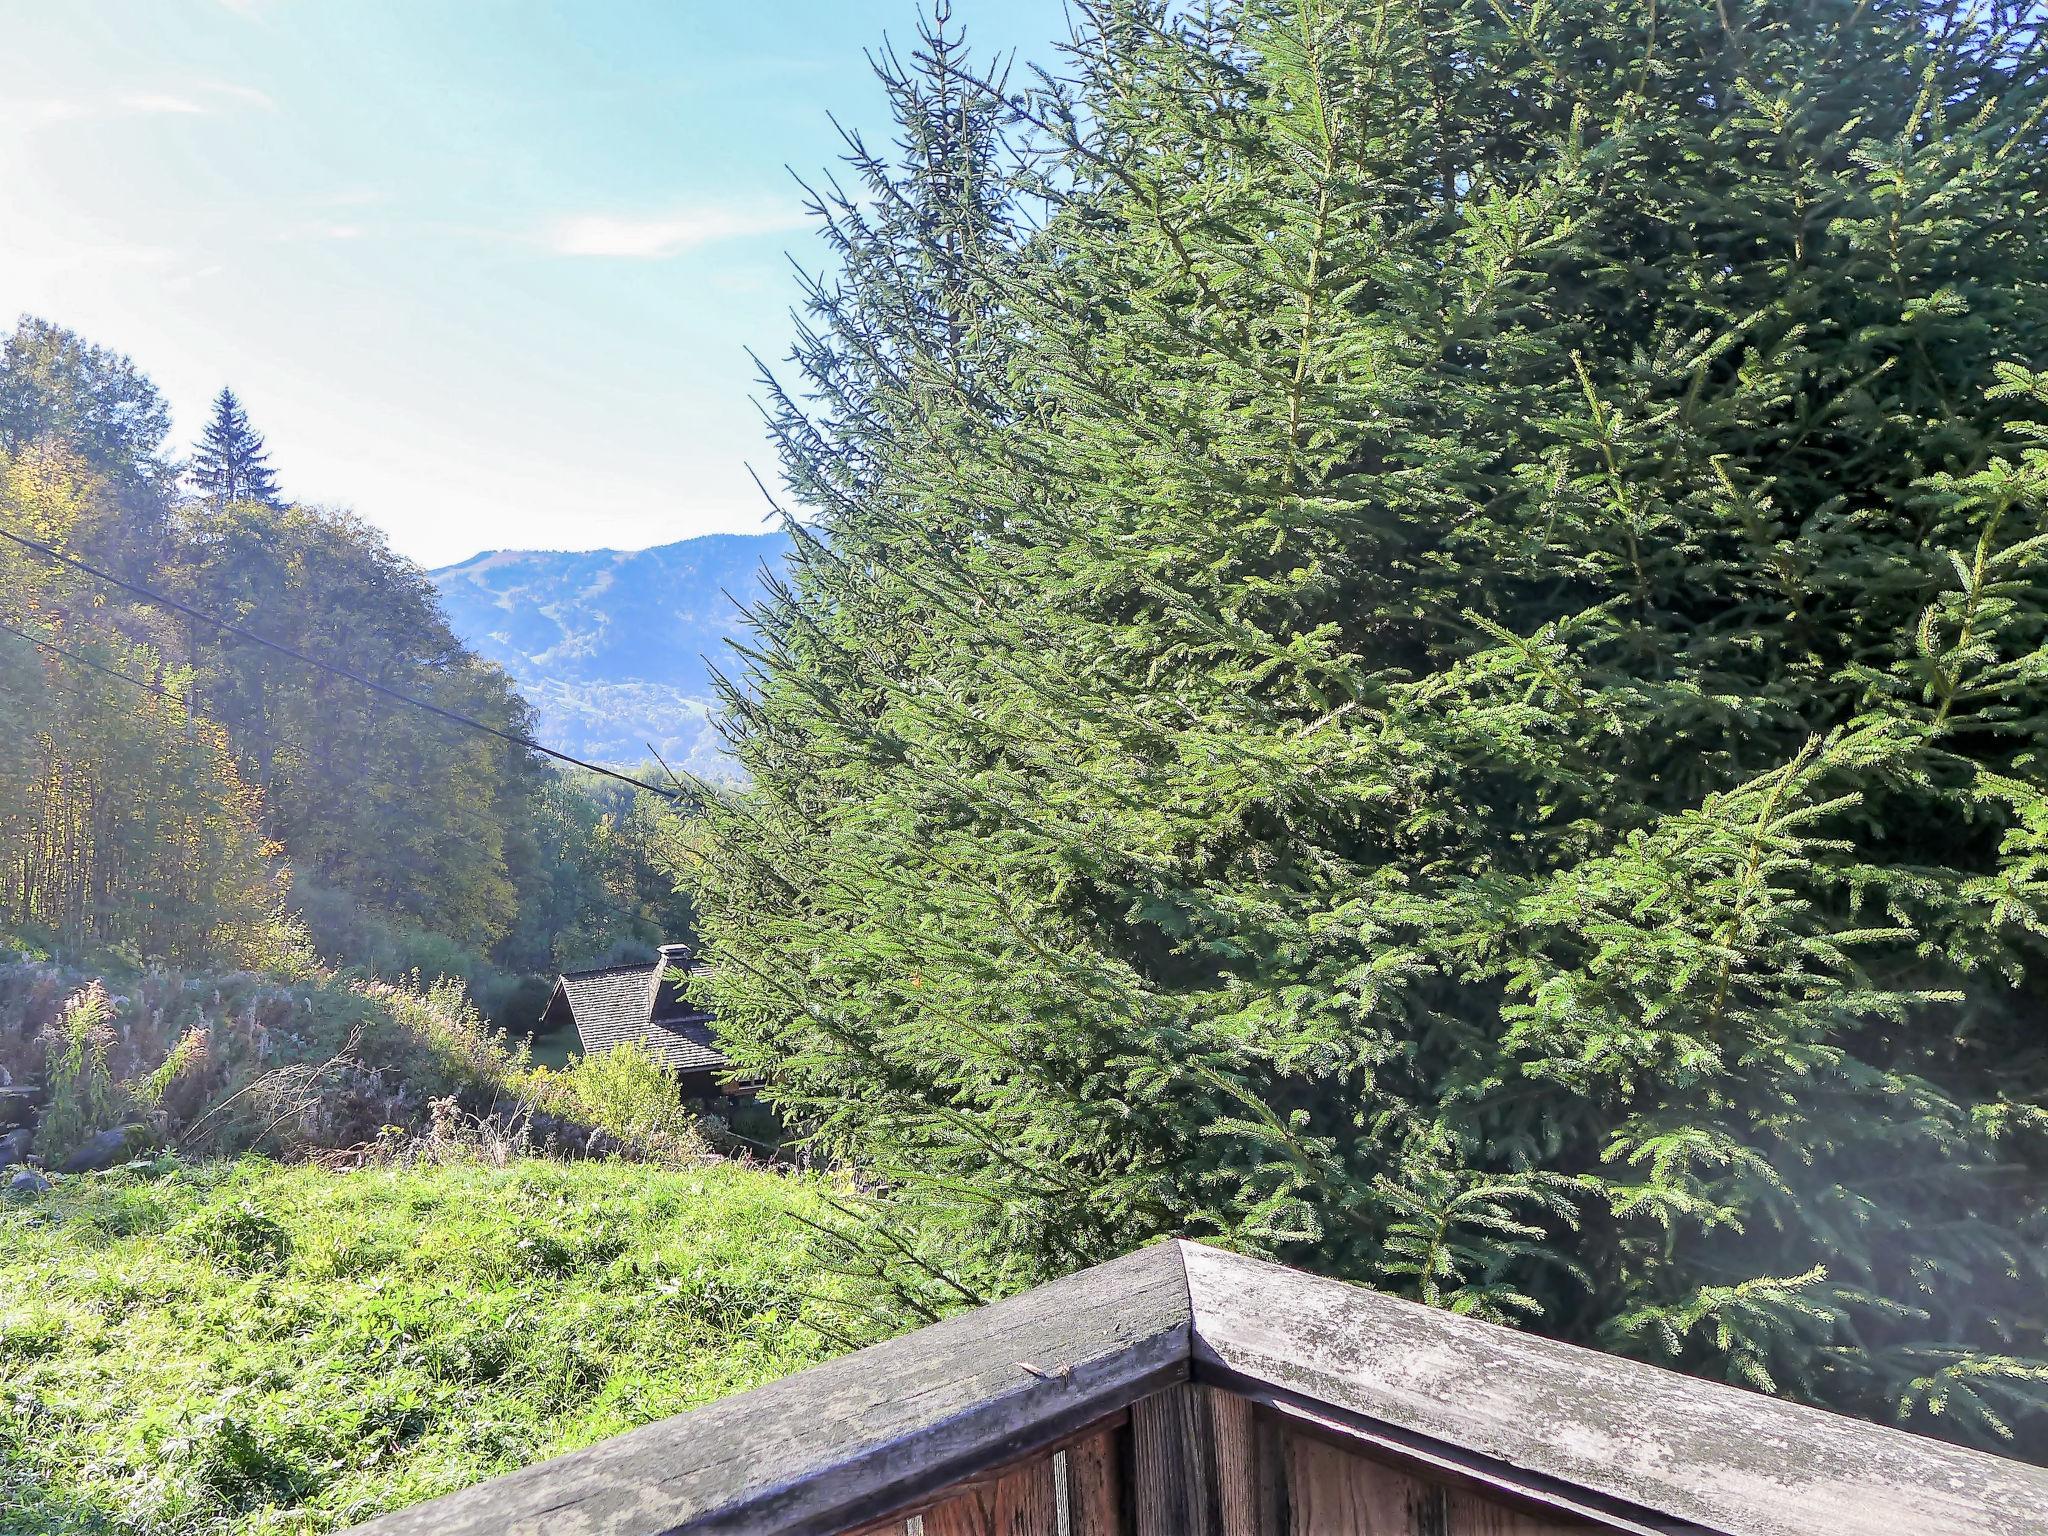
1636	1448
1251	1471
1172	1455
1102	1431
1458	1490
1201	1466
1095	1489
1022	1503
1335	1492
857	1439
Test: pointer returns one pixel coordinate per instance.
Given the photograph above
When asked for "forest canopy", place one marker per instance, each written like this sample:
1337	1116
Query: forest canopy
1417	645
172	791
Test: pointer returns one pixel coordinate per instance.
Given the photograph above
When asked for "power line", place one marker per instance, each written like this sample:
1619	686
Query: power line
228	627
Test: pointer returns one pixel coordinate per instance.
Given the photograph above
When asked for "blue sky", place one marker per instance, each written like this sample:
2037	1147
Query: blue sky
483	271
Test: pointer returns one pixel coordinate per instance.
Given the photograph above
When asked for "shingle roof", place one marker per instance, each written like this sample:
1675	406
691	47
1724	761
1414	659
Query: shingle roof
630	1002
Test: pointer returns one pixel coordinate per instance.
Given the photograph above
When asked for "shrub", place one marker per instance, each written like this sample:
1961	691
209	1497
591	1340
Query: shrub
83	1097
440	1039
627	1092
220	1063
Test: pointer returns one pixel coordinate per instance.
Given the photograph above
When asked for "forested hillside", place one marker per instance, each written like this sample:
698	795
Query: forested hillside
1424	653
614	649
172	790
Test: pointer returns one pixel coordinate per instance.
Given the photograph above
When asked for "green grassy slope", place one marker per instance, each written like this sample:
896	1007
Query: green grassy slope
248	1347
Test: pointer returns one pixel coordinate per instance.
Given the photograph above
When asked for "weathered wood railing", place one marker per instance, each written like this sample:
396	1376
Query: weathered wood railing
1182	1391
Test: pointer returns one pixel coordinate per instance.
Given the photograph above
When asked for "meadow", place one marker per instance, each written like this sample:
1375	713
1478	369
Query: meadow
244	1346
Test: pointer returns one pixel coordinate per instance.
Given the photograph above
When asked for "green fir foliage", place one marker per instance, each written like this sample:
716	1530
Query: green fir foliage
1417	645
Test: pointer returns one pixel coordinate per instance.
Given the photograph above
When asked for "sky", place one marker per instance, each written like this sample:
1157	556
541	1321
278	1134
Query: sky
482	271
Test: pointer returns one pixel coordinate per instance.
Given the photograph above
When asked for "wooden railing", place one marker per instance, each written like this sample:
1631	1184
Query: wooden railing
1182	1391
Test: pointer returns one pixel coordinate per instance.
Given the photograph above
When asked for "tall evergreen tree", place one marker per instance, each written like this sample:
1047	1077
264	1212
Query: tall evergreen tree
1458	700
228	463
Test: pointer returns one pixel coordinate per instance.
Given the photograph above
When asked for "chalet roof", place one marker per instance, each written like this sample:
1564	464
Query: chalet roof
619	1003
1184	1391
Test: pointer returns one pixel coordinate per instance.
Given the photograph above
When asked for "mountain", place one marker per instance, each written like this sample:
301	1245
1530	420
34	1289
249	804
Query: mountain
610	646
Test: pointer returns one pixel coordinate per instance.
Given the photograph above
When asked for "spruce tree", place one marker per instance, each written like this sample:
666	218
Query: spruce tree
228	463
1455	696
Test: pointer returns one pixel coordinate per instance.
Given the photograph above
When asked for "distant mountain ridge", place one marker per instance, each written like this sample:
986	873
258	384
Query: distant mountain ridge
611	646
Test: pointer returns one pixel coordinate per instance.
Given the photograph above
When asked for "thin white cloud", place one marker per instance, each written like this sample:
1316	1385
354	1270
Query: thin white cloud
28	267
650	237
319	229
155	104
47	110
247	95
199	98
347	197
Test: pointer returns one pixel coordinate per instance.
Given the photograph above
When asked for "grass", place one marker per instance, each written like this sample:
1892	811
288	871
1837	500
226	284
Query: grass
248	1347
555	1049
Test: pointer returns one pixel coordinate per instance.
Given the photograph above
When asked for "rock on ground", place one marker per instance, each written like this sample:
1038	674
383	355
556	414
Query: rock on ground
102	1151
